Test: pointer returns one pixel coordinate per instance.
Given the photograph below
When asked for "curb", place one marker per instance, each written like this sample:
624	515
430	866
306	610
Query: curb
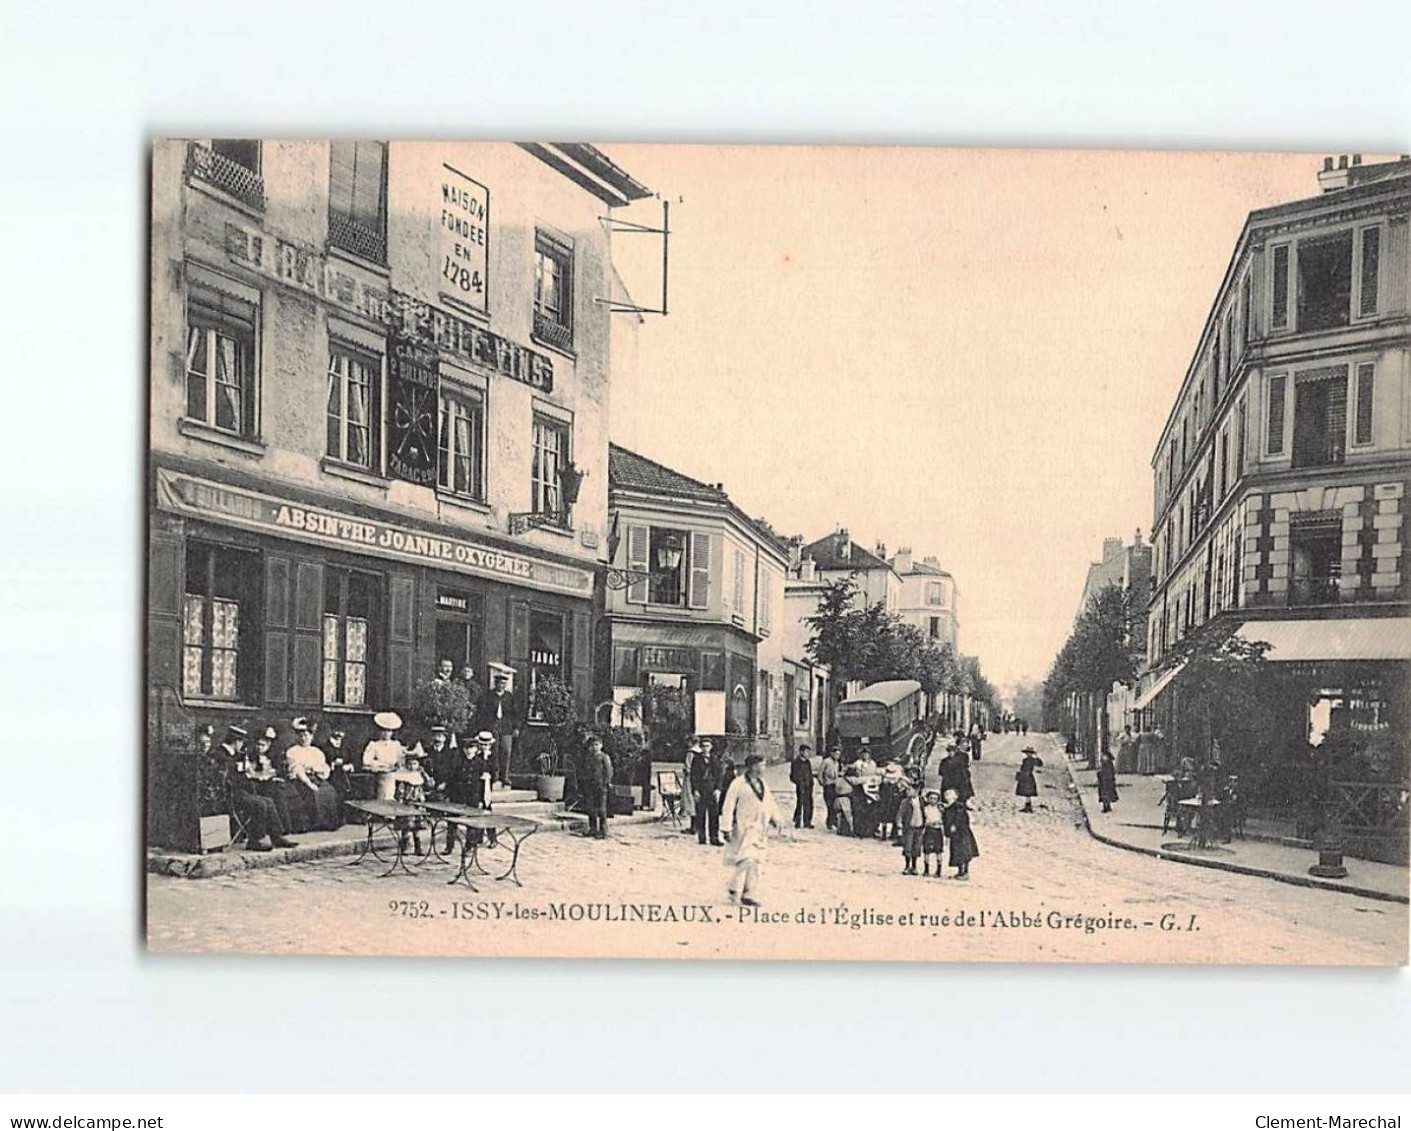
192	867
1225	865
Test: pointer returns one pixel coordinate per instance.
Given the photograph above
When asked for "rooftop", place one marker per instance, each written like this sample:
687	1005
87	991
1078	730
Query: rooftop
829	553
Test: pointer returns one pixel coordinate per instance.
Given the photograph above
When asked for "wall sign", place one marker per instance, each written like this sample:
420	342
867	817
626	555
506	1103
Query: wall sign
411	411
659	658
307	269
465	239
253	510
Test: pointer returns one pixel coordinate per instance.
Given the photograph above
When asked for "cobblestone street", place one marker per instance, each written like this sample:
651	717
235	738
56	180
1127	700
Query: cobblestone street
1041	876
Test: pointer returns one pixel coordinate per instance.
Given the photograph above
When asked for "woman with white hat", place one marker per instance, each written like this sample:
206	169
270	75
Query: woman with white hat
384	755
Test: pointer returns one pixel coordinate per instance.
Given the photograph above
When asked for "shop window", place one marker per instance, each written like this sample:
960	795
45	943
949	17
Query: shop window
460	469
1316	552
217	603
220	361
801	717
551	456
354	408
546	650
1325	282
349	615
553	290
357	198
1320	418
625	672
712	671
1366	387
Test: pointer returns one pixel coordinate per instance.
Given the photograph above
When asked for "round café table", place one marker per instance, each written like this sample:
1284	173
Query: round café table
518	829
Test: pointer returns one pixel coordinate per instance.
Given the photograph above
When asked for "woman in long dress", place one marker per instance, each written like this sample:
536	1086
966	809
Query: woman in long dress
956	819
746	815
1107	783
310	772
384	755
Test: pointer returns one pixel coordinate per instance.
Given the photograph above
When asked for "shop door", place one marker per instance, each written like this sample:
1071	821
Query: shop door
461	642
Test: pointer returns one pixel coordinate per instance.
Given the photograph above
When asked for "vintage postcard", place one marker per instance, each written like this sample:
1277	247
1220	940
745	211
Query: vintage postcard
723	552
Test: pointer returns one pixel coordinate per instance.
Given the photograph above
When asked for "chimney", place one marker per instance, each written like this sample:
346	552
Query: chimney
808	569
795	552
881	550
844	543
1111	547
1331	179
902	564
931	560
1137	537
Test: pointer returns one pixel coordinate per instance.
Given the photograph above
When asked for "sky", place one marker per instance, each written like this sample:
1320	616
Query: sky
968	352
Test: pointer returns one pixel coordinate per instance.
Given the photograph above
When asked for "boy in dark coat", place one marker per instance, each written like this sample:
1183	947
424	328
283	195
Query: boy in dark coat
956	820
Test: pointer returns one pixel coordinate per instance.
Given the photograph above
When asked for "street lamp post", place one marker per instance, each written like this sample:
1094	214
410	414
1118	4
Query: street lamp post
1330	839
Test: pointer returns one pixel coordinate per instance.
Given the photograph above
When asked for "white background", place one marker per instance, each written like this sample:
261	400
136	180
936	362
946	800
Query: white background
86	85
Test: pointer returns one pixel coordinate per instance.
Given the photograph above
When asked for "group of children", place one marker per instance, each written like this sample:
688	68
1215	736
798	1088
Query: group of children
926	820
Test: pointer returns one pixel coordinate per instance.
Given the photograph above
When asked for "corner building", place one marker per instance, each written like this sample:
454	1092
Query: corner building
1281	473
379	419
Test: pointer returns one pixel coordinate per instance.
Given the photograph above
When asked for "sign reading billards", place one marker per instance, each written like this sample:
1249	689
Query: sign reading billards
412	410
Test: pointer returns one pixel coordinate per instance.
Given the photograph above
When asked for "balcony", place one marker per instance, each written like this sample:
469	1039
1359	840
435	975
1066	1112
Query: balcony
1314	591
552	332
355	237
230	177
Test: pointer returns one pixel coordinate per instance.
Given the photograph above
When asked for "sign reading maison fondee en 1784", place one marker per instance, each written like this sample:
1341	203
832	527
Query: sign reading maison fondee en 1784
253	510
411	410
308	269
465	238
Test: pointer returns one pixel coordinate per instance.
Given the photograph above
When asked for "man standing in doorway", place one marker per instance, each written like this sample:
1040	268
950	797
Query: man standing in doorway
499	714
801	774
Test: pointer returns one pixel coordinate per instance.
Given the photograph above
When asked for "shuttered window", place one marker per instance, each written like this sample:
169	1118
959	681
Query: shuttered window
1279	289
1366	386
1371	254
700	570
1277	387
357	198
737	598
638	543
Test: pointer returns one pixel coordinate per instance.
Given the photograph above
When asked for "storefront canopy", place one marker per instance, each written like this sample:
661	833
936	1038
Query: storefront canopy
1146	697
1362	638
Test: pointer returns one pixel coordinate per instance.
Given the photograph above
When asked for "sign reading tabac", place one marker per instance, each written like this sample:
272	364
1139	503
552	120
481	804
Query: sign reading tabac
411	411
464	228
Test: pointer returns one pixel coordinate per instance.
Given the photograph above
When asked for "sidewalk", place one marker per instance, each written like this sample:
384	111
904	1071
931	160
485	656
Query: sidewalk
1135	824
348	841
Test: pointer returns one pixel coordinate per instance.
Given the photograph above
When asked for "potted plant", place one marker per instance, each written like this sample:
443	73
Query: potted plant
442	702
631	761
557	708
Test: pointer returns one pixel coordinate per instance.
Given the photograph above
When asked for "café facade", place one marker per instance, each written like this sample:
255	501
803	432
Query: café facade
378	432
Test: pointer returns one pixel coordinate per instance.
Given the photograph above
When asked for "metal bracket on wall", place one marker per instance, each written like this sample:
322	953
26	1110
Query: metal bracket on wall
612	224
625	578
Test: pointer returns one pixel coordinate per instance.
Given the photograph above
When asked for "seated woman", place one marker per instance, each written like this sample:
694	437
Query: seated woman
285	794
384	755
310	772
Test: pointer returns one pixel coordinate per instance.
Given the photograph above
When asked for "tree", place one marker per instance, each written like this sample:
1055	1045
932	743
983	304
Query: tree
1097	654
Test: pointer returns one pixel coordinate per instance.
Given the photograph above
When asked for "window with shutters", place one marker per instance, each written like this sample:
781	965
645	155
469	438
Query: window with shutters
1366	392
1369	272
668	566
460	457
551	456
674	566
354	409
1320	417
349	624
553	290
1279	287
546	654
220	361
1324	294
1274	415
357	198
218	617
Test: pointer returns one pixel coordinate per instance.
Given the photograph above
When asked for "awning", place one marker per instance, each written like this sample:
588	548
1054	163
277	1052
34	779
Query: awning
1145	698
1351	638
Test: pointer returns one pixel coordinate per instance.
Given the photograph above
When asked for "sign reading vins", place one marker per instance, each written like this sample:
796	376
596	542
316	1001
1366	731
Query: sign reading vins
411	411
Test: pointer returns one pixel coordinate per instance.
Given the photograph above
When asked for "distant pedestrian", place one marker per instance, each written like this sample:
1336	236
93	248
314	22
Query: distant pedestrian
1107	782
933	835
746	815
955	773
1027	785
977	740
828	778
911	822
801	774
956	821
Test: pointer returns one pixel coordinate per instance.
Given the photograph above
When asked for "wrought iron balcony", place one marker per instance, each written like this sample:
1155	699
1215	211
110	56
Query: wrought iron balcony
546	329
350	235
232	178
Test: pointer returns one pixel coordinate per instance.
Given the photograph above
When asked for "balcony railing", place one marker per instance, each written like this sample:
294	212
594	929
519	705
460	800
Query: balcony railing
1313	591
1320	452
358	238
556	334
232	178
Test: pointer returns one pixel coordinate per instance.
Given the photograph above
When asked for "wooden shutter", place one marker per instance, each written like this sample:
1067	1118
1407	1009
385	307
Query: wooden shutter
638	553
582	677
276	629
699	595
342	161
166	574
1371	249
1366	377
401	637
307	681
1279	306
519	640
1276	414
